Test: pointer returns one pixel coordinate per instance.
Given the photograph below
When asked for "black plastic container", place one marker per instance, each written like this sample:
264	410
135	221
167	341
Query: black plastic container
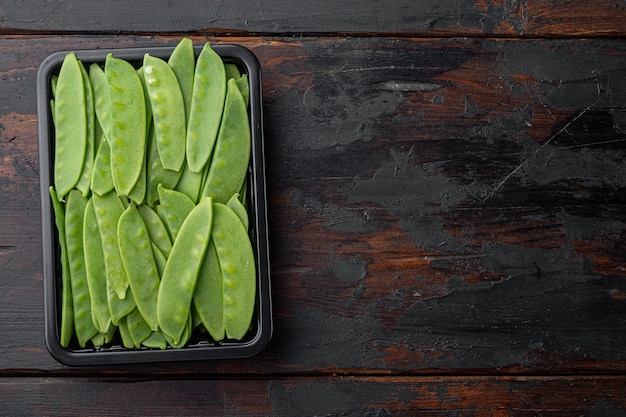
200	347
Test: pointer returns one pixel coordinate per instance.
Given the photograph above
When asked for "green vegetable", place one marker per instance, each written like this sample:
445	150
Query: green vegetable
136	251
236	259
181	271
74	215
67	309
207	104
96	275
229	165
168	109
128	123
70	119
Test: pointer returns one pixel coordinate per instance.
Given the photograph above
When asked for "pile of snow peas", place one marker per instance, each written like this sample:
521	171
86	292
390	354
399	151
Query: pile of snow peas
149	197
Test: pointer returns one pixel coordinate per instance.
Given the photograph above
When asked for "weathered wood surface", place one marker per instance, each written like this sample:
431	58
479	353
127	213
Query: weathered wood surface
435	206
305	396
406	17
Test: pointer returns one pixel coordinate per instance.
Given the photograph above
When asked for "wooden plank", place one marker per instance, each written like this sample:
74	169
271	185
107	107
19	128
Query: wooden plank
458	17
435	205
305	396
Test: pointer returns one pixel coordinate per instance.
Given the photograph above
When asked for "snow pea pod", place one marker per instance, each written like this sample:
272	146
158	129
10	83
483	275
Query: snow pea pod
236	260
67	310
108	209
208	295
156	229
156	340
168	111
181	271
102	178
207	104
96	274
235	205
138	329
182	61
84	182
128	123
74	220
176	206
157	173
101	100
136	251
70	126
229	164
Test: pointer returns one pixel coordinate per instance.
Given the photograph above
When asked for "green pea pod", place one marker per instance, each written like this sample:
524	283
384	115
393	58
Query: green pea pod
108	209
84	182
54	79
229	164
156	229
136	251
207	104
190	183
168	111
244	88
142	77
101	100
128	123
235	205
157	174
183	61
208	295
67	310
236	260
156	340
70	126
96	275
181	271
184	338
74	220
176	206
137	327
159	258
127	340
232	71
102	178
138	194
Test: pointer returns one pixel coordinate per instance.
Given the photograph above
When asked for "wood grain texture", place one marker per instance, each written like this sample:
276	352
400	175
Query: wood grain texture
305	396
452	205
410	18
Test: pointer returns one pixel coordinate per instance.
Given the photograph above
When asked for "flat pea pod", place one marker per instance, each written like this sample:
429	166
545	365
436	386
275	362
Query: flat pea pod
84	182
136	251
102	338
183	61
235	205
190	183
128	123
138	193
232	71
74	220
102	178
127	340
101	100
229	164
108	209
96	273
156	340
168	111
159	258
156	229
157	173
138	329
67	309
236	259
176	207
208	295
207	104
70	126
184	338
244	88
181	271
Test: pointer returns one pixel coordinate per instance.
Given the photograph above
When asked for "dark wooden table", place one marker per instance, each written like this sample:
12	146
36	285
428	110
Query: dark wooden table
447	193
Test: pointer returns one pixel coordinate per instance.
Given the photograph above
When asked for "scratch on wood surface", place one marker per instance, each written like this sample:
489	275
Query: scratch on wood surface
537	151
